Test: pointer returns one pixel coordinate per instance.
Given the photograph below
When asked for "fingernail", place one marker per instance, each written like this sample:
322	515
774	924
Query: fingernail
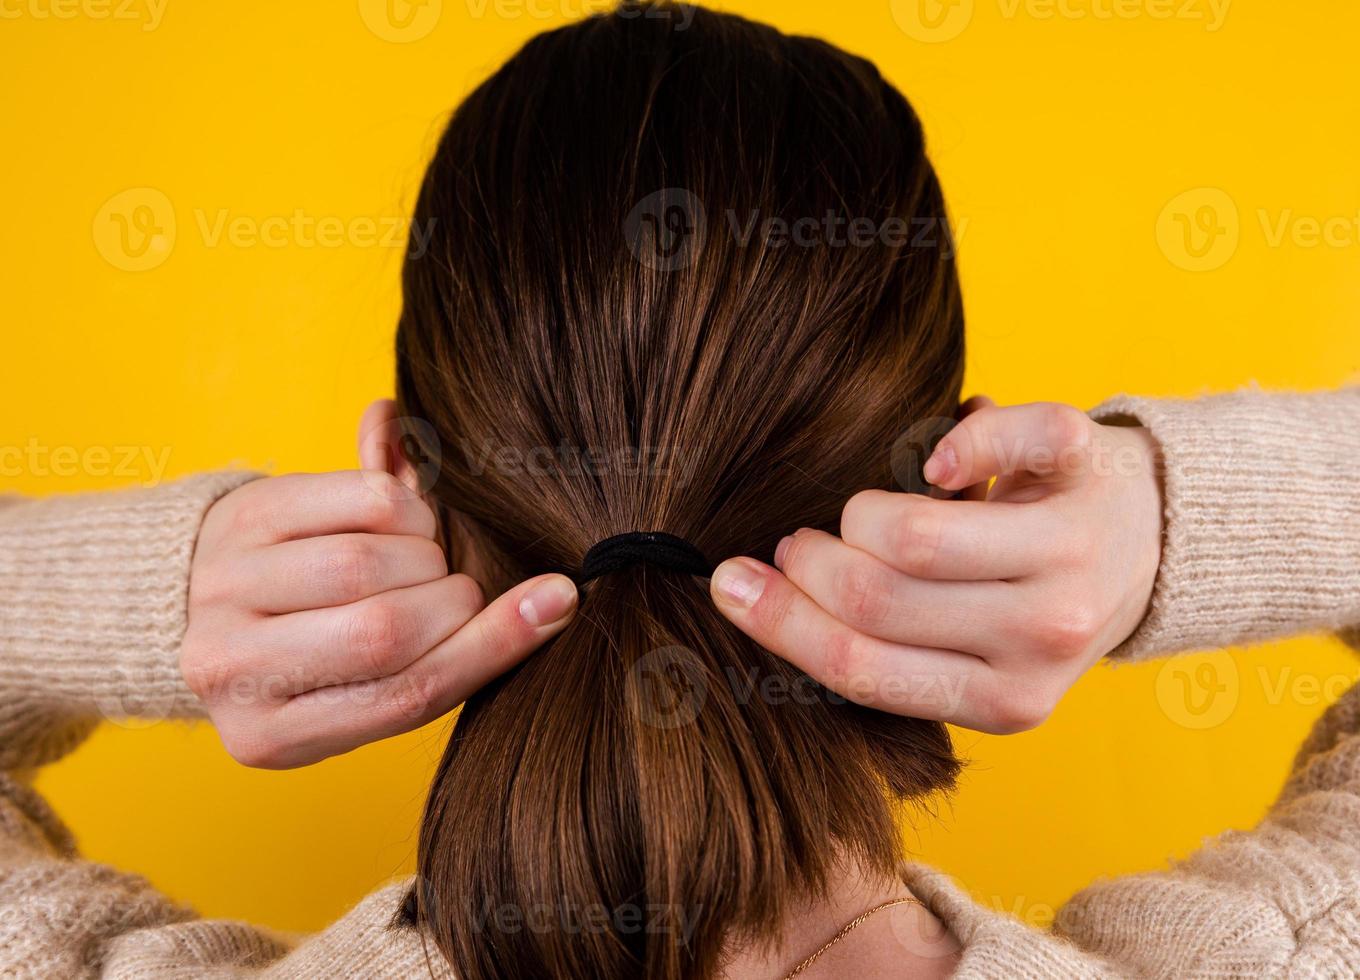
781	549
548	601
739	582
941	464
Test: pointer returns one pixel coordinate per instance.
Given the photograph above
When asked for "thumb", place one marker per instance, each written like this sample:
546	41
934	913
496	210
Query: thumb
1041	438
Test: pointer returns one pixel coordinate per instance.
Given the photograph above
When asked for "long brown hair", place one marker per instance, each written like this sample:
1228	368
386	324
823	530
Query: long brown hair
686	274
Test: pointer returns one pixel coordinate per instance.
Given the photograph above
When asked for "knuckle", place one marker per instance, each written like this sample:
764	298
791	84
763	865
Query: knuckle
207	671
382	502
856	514
467	594
915	539
972	432
1067	426
1019	709
843	659
351	566
431	557
1080	550
772	609
257	750
862	594
411	698
1068	630
376	635
499	638
197	678
213	585
252	510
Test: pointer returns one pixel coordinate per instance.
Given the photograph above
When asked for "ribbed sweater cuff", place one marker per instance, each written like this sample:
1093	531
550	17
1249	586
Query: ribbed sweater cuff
1262	518
93	607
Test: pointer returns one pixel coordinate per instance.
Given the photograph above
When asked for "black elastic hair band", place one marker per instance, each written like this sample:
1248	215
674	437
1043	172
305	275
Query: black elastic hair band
642	547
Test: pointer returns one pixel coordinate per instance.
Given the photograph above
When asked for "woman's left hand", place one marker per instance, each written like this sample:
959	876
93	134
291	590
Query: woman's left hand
978	612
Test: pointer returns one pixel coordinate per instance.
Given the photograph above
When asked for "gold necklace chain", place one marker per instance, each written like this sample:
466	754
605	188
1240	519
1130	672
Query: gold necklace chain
845	930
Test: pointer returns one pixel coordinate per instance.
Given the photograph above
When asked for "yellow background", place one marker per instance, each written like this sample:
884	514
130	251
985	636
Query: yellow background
1067	138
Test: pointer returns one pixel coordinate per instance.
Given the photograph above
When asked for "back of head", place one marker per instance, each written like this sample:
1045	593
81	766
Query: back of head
611	330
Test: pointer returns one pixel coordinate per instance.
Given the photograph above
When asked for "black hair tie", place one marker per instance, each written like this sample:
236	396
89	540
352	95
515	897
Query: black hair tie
643	547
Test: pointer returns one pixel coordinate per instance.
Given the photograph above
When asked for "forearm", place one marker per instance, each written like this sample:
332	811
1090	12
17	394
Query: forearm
1262	518
93	599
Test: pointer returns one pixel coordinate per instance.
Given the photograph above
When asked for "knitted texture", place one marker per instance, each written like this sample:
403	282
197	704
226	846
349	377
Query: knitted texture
1262	540
1261	518
93	603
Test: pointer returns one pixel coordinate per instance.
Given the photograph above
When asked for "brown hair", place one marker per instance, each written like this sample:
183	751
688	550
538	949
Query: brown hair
611	330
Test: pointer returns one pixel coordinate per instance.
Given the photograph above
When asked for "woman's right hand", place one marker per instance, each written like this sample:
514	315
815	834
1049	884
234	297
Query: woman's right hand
322	617
977	612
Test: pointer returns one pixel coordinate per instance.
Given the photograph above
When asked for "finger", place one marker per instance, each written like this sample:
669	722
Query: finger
335	569
374	637
302	505
953	539
978	491
899	678
1043	438
872	598
375	436
328	721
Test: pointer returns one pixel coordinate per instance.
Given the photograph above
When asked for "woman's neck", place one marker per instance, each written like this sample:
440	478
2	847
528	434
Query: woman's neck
903	940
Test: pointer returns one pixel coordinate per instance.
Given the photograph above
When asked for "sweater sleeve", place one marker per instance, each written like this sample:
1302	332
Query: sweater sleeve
93	606
1262	518
1282	899
1262	540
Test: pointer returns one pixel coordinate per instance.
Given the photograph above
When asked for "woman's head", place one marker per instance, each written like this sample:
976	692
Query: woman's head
685	274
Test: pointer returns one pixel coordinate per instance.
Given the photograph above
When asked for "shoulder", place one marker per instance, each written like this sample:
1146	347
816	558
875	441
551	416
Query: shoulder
1282	897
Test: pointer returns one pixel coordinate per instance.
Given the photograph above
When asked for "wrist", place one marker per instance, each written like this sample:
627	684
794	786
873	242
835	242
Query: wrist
1260	497
95	598
1140	507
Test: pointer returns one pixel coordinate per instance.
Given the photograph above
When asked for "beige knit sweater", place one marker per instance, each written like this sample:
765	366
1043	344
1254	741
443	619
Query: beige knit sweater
1262	540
